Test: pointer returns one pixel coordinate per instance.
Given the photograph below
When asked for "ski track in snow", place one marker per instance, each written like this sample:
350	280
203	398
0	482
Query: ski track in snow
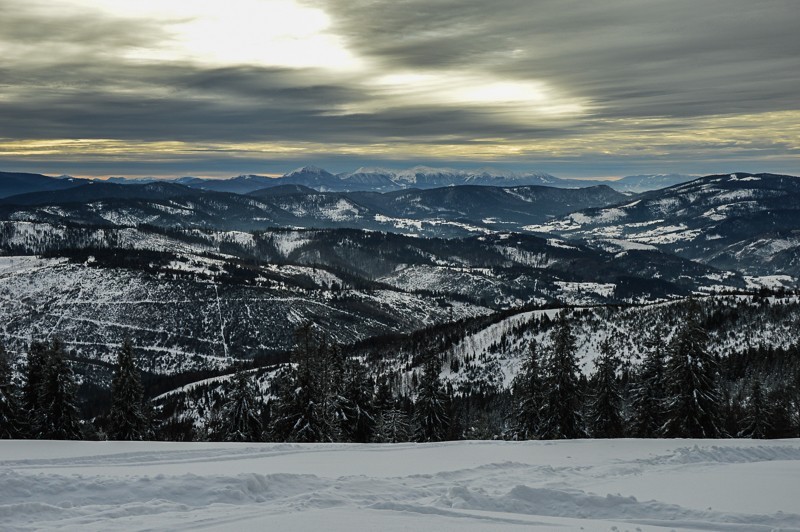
636	485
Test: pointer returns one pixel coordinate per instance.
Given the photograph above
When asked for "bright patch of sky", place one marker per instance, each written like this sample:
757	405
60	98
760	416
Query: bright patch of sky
257	32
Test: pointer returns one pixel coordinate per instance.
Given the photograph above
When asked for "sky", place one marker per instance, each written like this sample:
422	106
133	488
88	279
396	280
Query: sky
575	88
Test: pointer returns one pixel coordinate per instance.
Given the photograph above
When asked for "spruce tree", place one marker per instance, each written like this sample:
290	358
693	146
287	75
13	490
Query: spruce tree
11	416
605	419
330	363
359	421
561	412
430	409
57	417
649	393
693	401
384	397
392	423
241	413
127	419
757	418
300	411
295	412
794	403
527	395
779	411
393	427
34	370
732	411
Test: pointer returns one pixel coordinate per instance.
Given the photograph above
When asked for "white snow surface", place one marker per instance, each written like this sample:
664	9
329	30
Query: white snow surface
636	485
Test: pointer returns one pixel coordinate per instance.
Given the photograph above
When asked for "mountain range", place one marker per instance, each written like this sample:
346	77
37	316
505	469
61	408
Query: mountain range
362	179
742	221
203	276
749	223
449	211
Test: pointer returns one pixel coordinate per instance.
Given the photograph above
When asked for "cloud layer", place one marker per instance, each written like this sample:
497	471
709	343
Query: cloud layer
572	87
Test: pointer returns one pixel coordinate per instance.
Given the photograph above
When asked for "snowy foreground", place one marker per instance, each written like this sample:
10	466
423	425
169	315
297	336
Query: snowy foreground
634	485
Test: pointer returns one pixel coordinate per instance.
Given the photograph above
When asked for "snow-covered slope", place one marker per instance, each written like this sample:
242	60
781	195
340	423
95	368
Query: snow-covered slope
383	180
450	211
746	222
600	485
489	358
645	182
188	317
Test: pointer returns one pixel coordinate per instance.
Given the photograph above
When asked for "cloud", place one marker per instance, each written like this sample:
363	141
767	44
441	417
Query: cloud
628	57
531	82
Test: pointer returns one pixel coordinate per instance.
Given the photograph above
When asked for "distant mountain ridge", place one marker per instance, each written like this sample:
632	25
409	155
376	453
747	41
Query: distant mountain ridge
372	179
448	211
14	183
647	182
748	222
365	179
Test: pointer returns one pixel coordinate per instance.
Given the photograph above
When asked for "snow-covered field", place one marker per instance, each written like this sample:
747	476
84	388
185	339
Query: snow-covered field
635	485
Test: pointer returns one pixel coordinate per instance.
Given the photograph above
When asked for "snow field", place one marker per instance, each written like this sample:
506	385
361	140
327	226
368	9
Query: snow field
645	485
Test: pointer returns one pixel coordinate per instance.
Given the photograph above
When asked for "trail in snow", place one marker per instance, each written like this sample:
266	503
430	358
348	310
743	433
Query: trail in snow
645	485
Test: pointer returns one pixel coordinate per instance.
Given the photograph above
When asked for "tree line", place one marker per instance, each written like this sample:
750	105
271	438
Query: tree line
680	389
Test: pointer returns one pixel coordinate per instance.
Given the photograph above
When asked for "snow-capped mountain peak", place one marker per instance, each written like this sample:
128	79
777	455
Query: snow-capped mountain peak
309	170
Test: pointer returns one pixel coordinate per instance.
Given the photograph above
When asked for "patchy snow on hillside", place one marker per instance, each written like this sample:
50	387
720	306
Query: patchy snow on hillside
602	216
492	356
770	281
615	244
341	211
529	258
556	243
574	291
287	242
642	485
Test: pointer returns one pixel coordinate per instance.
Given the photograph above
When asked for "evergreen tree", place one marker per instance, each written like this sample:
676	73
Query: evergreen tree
693	402
779	411
649	393
384	398
430	409
561	412
794	403
393	427
732	412
127	419
605	419
757	419
528	397
358	423
330	363
34	371
392	423
303	409
57	417
241	413
294	409
11	418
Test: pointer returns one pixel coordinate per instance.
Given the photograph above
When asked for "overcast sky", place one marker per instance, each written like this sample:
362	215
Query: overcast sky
572	87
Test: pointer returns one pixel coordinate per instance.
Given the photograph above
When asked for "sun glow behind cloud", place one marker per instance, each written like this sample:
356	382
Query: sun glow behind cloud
524	98
279	33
